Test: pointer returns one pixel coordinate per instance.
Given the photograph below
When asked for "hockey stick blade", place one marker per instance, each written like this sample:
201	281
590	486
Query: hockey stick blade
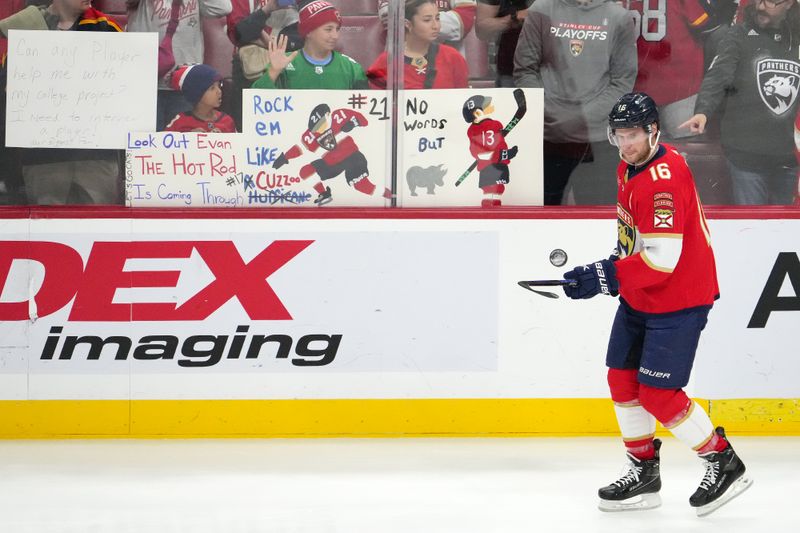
529	285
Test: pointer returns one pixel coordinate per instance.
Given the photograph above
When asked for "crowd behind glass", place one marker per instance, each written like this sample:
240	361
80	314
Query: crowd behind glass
725	75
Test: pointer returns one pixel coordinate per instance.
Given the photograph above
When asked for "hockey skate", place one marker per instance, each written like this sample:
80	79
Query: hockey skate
325	197
724	479
638	487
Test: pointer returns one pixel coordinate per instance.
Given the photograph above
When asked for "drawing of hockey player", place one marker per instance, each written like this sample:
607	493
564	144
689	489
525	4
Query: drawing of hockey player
487	144
327	130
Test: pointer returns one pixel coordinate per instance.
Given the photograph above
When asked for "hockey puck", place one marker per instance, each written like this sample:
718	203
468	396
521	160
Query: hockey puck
558	257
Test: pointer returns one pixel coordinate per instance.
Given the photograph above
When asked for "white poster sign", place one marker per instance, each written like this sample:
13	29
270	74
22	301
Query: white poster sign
76	89
333	141
338	140
471	147
170	169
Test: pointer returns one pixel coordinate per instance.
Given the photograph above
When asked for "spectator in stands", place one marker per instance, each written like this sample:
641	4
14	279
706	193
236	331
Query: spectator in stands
187	42
317	65
756	75
583	53
456	16
670	41
500	22
428	64
201	85
60	176
245	24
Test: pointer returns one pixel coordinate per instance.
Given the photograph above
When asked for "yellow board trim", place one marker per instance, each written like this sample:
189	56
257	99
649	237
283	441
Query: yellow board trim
358	418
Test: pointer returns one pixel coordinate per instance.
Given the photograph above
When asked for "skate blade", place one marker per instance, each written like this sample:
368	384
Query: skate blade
323	201
642	502
738	487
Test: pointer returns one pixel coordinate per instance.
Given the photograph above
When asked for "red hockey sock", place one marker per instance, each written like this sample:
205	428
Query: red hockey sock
319	187
641	449
715	444
364	186
307	170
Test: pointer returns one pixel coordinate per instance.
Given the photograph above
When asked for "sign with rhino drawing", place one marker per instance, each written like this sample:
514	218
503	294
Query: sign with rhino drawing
457	147
471	147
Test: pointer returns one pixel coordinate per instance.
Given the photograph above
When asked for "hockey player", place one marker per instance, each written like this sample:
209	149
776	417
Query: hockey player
342	154
664	272
487	144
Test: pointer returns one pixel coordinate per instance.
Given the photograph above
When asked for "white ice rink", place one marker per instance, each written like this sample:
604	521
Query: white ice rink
372	485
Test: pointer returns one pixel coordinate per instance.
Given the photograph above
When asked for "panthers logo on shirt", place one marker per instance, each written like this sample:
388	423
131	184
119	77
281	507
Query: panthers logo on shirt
778	83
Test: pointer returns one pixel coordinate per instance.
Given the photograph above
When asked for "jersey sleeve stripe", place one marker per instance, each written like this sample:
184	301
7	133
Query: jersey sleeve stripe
662	253
700	20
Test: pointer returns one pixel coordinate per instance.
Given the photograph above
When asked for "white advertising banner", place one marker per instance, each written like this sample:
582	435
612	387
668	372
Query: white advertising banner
371	308
78	89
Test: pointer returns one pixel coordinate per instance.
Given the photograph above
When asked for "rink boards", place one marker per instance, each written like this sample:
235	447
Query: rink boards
360	323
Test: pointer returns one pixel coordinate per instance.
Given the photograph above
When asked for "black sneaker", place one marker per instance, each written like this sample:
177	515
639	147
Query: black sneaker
638	487
724	479
324	197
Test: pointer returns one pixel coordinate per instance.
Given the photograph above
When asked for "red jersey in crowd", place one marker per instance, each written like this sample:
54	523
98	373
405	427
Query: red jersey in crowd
186	122
667	263
486	142
451	71
669	47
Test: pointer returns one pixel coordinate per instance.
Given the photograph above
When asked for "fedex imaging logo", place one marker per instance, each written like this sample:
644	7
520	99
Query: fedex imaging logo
93	289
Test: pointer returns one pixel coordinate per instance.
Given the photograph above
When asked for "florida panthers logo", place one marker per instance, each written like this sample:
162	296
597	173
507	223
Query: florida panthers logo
778	84
576	47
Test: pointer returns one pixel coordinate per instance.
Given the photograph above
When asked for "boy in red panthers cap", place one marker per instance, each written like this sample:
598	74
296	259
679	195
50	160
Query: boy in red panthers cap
317	65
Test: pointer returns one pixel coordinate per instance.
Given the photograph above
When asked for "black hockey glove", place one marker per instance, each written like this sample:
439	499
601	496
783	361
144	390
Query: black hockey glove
280	161
349	125
507	155
595	278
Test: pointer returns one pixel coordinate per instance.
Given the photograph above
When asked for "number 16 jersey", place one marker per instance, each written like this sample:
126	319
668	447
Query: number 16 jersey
666	261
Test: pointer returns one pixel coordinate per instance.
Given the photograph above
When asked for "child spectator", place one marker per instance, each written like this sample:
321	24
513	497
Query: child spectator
201	85
245	24
317	65
427	63
187	40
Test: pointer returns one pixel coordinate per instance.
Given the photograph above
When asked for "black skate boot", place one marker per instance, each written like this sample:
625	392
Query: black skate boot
638	487
324	197
724	479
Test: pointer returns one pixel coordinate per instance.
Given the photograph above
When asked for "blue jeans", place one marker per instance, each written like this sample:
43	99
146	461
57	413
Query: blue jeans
772	185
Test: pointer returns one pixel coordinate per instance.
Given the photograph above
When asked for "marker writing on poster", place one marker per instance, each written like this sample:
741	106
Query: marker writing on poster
416	107
268	106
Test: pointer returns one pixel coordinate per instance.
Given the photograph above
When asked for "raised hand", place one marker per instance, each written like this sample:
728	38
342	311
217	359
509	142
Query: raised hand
278	59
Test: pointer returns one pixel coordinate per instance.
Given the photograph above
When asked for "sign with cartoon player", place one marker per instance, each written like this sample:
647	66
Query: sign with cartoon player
340	154
435	148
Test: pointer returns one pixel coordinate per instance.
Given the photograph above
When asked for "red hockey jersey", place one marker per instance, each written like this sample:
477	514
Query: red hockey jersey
486	142
667	263
337	149
188	122
669	47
